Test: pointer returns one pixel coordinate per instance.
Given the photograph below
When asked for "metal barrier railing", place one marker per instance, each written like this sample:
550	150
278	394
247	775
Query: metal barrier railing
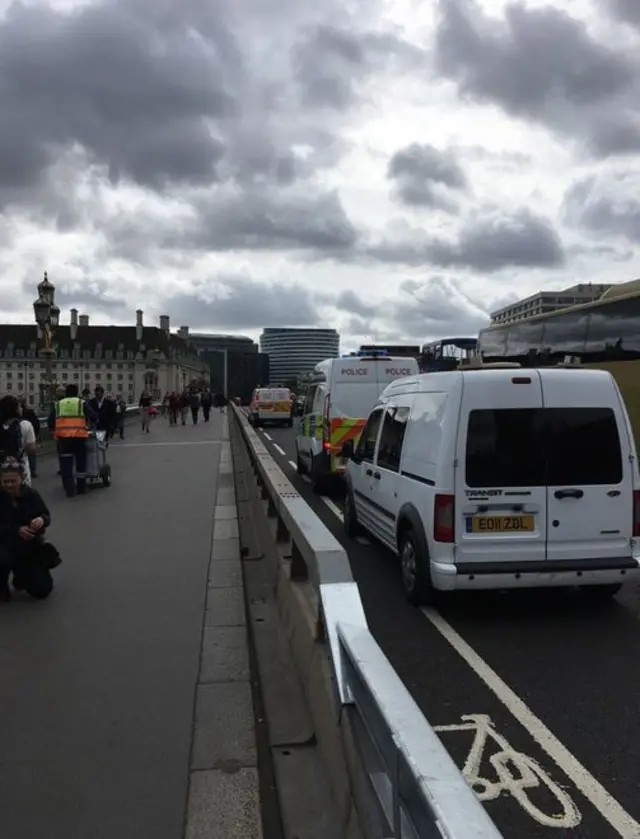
415	787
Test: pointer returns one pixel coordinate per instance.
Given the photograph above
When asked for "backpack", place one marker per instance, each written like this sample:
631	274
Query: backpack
11	443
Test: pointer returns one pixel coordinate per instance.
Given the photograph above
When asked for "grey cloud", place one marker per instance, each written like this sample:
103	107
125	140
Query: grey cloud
242	303
166	95
276	221
486	243
500	241
437	308
418	172
331	63
542	64
349	301
605	206
626	10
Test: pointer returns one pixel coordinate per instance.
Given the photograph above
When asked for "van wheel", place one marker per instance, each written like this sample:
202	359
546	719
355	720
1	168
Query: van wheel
349	517
289	423
416	579
319	481
601	593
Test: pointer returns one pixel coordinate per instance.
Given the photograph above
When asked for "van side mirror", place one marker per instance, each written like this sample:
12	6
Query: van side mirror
347	450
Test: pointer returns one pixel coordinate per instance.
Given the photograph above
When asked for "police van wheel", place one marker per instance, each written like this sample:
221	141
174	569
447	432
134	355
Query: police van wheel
601	593
318	480
349	518
105	476
302	469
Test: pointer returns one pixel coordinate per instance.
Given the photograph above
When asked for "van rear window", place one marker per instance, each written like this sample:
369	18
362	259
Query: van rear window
529	447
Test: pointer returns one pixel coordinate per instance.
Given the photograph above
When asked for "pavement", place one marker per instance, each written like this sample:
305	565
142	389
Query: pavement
125	699
558	678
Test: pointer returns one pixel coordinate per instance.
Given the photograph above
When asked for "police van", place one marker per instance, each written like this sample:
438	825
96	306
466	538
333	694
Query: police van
500	478
341	393
271	406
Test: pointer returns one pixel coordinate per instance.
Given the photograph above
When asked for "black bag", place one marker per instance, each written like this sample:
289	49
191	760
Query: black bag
11	443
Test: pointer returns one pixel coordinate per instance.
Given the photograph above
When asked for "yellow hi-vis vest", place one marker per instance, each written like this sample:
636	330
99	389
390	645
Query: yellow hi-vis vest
70	419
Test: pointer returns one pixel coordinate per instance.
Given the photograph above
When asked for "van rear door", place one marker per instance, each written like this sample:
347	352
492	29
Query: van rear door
501	497
590	494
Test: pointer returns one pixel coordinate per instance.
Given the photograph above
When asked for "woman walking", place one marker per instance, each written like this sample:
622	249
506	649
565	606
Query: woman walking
145	403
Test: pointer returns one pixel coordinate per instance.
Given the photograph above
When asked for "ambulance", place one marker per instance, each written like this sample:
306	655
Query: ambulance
340	396
271	405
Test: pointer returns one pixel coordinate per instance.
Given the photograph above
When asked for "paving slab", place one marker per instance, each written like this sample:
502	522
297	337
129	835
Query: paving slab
99	682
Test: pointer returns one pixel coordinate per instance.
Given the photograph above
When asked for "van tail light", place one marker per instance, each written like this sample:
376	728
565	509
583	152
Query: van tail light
326	429
636	513
443	518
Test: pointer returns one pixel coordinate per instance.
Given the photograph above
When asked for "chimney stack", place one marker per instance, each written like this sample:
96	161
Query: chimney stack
74	324
139	326
184	332
164	323
83	320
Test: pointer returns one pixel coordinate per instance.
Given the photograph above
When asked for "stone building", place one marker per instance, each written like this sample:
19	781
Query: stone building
123	359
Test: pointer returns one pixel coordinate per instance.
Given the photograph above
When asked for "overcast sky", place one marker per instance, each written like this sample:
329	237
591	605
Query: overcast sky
394	168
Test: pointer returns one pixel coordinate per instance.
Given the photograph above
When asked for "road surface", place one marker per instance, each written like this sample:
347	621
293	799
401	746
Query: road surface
558	679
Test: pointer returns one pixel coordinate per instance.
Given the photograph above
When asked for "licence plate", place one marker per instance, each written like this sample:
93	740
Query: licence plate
500	524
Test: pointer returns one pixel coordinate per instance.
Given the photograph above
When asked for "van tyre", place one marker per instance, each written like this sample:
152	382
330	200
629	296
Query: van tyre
414	568
349	517
318	480
602	593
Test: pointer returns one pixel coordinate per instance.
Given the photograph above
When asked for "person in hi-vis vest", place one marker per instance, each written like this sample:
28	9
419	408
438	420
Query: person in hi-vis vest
69	421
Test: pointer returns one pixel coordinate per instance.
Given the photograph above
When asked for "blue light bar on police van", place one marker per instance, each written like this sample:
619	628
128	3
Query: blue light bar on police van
372	353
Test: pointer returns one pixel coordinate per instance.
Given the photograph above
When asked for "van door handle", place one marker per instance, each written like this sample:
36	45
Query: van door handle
569	493
369	472
377	475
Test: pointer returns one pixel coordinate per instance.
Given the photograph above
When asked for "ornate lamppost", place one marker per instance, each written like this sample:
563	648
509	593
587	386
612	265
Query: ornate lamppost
47	315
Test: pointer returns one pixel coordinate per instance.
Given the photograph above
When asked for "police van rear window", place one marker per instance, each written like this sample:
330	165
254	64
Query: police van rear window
530	447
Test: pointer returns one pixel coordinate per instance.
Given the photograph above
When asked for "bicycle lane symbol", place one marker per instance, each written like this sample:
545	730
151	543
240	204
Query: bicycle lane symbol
514	774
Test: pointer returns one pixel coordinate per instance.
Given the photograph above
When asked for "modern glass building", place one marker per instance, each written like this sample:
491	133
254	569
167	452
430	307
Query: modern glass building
294	352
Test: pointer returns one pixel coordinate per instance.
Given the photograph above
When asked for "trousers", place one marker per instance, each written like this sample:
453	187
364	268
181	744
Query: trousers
72	453
30	571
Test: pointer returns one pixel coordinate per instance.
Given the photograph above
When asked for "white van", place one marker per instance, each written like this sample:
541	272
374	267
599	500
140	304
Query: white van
500	478
340	396
271	406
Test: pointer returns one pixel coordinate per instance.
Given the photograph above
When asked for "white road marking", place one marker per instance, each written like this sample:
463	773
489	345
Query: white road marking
279	450
511	772
306	478
268	436
363	540
333	507
292	464
610	809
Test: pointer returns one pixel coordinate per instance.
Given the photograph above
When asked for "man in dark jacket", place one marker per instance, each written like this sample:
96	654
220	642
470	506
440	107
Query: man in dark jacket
24	518
105	411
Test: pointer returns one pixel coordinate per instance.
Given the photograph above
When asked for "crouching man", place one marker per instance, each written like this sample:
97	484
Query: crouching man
24	551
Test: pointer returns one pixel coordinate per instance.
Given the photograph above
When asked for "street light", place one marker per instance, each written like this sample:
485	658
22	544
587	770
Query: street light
47	315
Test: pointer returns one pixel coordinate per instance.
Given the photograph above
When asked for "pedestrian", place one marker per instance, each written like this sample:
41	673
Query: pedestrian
30	415
184	406
24	549
145	403
174	407
28	447
69	421
11	432
105	411
194	404
206	401
120	416
219	401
